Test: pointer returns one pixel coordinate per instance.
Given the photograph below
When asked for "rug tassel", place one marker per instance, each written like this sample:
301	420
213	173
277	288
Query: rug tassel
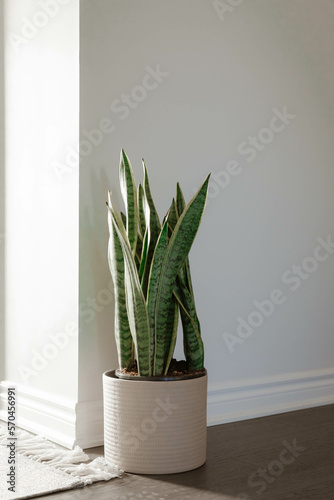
97	470
41	450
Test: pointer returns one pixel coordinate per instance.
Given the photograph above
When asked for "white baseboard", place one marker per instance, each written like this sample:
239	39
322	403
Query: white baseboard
69	423
254	398
89	431
60	420
41	413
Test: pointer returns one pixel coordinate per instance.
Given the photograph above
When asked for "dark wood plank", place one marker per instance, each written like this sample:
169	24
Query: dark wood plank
253	441
243	457
306	418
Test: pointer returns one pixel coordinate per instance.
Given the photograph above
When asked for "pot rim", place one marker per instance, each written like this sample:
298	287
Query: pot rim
123	376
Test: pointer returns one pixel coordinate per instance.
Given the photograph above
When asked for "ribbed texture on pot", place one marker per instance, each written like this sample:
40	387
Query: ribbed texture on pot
153	427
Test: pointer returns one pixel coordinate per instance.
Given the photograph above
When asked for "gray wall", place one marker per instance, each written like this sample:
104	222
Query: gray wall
226	79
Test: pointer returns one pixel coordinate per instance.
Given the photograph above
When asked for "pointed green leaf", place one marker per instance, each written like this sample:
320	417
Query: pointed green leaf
122	329
180	201
139	248
141	208
188	298
192	341
154	217
129	194
172	216
123	217
152	221
135	300
155	271
181	204
178	248
144	254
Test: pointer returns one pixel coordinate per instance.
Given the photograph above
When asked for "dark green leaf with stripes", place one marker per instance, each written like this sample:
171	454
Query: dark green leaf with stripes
129	194
178	248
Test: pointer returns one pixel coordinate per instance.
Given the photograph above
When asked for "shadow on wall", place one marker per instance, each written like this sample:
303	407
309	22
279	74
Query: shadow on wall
2	196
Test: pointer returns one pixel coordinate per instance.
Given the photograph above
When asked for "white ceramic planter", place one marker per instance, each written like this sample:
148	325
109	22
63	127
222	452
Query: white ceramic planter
155	427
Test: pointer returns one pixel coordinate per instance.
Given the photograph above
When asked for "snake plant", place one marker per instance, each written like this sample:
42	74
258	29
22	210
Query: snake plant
149	264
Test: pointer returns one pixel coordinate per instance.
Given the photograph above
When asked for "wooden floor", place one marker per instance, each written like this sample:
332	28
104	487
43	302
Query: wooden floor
246	461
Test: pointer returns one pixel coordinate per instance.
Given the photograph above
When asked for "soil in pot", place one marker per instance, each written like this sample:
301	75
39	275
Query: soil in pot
177	368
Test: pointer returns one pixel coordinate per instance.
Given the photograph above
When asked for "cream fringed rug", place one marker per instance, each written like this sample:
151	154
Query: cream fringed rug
41	467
